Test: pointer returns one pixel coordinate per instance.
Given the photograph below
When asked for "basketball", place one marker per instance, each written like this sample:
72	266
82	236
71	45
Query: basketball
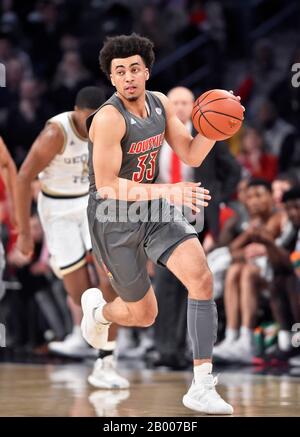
217	115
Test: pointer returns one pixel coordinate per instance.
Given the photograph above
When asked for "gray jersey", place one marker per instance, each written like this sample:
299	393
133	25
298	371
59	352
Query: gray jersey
141	143
123	246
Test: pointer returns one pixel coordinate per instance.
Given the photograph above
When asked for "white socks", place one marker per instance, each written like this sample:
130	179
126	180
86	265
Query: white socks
202	370
284	340
77	331
246	335
110	346
98	316
231	334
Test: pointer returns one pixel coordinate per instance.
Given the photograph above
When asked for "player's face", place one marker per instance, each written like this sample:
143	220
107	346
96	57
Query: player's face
293	211
129	76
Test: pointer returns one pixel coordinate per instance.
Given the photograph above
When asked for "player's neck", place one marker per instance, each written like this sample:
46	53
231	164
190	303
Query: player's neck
137	107
76	125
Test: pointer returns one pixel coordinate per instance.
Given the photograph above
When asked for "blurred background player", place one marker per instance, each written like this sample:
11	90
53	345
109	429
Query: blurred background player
59	156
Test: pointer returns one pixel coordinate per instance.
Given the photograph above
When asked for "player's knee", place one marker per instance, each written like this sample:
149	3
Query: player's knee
146	317
233	272
201	285
249	272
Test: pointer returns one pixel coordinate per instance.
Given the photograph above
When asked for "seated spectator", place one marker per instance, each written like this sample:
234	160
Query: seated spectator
25	121
285	96
9	95
253	158
280	137
285	289
219	258
262	75
71	75
283	182
248	275
9	50
239	205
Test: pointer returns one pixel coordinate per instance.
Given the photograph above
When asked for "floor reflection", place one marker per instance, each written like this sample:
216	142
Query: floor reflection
62	390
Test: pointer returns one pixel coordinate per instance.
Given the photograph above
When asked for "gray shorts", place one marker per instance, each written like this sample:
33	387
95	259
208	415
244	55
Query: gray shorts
123	247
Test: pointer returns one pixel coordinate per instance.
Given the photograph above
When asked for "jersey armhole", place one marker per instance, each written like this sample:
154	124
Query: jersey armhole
59	124
157	100
124	117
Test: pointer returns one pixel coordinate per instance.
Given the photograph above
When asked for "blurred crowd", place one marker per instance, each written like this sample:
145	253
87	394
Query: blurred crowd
251	230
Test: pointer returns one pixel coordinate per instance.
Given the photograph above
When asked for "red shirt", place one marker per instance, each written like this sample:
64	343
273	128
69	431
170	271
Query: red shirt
267	168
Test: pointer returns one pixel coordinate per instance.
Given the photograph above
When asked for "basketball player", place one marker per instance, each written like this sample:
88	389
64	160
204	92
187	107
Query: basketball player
123	166
59	156
8	173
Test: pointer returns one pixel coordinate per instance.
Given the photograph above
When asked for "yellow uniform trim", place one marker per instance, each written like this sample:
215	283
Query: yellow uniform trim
74	267
58	194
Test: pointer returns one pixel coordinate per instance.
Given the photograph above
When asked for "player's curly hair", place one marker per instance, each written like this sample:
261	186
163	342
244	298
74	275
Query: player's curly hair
123	46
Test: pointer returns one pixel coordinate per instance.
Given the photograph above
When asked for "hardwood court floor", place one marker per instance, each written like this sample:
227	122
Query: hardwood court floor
62	390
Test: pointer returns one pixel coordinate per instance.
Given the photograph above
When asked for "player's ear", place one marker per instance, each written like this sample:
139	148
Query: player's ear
147	73
112	81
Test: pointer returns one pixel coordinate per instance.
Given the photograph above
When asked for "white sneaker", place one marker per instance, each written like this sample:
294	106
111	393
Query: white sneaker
95	333
222	350
72	346
204	398
240	351
105	375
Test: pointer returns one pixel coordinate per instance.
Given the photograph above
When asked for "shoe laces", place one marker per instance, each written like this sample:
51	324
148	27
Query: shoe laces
107	363
207	388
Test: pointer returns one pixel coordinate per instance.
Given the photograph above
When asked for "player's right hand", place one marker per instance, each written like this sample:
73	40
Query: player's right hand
189	194
25	244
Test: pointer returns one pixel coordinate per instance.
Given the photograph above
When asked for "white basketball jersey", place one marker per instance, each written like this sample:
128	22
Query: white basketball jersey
67	173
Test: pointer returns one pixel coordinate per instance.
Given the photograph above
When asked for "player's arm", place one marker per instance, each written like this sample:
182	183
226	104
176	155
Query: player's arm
49	143
192	151
9	174
106	132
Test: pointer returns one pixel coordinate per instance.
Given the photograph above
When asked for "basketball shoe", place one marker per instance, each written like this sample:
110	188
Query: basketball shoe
222	350
73	346
105	375
95	333
203	397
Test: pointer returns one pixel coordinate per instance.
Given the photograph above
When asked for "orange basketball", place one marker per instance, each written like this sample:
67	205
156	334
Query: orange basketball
217	115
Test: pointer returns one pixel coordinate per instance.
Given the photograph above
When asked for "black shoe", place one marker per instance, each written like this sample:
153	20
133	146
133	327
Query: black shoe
279	357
